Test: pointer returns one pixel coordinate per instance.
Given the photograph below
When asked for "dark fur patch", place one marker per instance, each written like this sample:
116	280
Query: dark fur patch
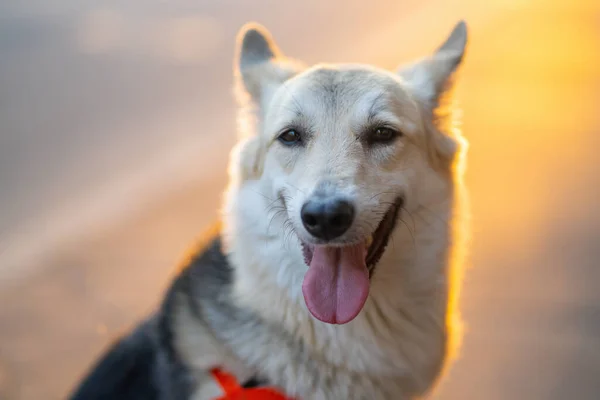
145	364
125	372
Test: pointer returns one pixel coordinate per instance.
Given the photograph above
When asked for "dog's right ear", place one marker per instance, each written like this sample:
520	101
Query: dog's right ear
260	66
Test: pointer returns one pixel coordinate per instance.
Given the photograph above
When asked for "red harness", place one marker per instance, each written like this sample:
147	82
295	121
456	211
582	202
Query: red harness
233	390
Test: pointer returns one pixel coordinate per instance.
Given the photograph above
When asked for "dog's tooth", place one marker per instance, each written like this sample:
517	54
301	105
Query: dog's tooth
369	240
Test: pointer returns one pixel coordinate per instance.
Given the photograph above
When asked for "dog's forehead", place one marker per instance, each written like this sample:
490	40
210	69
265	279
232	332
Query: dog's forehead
341	89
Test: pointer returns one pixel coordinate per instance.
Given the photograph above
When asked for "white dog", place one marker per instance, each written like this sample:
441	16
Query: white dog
336	271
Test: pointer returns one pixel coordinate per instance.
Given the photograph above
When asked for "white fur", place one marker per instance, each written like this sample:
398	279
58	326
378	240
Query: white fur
398	345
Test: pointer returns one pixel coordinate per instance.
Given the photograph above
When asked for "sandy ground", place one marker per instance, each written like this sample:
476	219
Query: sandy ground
89	243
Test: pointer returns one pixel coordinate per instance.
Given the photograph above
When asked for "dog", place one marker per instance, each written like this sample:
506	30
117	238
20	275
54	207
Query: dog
335	269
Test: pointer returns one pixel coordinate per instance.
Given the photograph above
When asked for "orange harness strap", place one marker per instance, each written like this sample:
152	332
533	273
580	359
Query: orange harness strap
233	391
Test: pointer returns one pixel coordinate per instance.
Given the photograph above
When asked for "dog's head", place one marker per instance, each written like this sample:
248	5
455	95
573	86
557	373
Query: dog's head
344	149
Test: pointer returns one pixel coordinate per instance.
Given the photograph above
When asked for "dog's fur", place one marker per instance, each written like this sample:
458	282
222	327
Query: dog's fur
238	304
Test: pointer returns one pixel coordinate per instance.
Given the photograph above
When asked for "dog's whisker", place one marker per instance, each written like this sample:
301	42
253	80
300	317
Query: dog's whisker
274	216
414	241
433	217
263	195
297	188
411	217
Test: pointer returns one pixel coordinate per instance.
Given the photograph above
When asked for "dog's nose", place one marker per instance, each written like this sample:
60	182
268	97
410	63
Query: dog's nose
327	219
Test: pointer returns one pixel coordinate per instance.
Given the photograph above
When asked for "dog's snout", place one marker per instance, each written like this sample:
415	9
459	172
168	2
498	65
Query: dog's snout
327	218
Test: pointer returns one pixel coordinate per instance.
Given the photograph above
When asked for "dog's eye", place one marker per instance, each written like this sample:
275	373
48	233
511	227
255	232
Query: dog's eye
384	135
289	137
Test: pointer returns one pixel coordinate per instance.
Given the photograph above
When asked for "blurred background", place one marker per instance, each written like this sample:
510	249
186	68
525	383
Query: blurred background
116	119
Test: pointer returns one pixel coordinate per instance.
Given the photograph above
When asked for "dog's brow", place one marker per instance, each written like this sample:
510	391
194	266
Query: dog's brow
299	114
296	107
376	107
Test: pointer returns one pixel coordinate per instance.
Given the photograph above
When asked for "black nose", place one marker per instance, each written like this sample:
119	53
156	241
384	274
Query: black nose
327	219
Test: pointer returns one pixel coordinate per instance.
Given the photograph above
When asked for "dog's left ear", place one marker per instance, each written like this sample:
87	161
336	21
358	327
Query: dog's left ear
260	66
430	80
431	76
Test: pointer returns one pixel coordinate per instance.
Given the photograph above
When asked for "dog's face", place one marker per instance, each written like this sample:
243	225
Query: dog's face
343	150
341	144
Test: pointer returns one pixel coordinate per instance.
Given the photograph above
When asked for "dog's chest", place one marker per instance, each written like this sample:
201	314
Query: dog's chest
343	364
385	353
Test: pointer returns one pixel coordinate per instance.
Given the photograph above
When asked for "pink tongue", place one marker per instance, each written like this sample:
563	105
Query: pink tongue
336	285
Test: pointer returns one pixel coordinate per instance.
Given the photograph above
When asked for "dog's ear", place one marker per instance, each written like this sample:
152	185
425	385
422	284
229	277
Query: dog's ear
430	80
260	67
431	76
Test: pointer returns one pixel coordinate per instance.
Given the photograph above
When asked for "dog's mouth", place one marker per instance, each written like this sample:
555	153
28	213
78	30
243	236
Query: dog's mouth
336	285
375	243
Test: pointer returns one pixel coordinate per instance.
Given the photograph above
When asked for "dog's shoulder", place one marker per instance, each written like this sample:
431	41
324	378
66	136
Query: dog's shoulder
196	312
201	278
148	362
204	275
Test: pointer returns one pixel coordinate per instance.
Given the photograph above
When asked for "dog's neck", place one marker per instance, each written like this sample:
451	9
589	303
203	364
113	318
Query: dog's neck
403	326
